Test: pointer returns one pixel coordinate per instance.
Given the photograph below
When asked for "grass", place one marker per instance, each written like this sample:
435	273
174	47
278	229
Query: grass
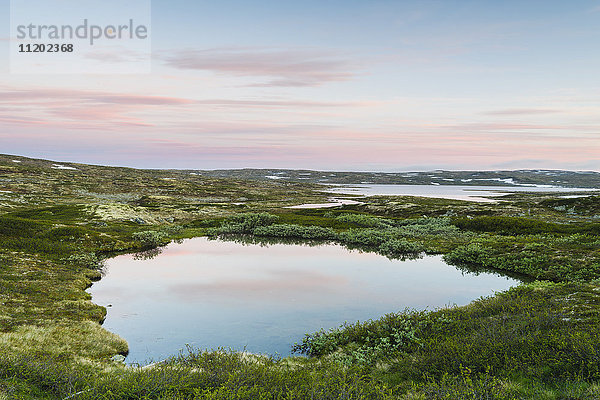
68	340
528	334
536	341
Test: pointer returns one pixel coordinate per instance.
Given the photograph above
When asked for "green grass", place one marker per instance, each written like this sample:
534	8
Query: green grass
504	225
537	332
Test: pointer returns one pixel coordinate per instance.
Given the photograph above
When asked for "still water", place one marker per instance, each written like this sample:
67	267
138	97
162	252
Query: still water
211	293
453	192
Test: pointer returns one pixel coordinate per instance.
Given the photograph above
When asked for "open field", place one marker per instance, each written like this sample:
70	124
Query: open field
58	221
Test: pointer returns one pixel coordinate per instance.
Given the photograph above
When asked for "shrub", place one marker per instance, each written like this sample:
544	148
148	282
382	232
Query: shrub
364	237
367	342
295	231
366	221
86	260
245	223
472	254
394	247
149	239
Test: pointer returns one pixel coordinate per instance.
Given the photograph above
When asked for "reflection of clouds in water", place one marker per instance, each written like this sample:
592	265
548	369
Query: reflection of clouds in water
109	292
278	283
215	293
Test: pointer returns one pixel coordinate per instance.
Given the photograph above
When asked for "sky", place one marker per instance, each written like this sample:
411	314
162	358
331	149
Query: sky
331	85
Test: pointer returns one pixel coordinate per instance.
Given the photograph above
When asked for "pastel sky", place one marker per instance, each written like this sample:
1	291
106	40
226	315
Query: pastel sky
336	85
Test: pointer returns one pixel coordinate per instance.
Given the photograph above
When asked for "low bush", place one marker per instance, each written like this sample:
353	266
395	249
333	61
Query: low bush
245	223
364	237
296	231
395	247
366	221
368	342
539	257
150	239
85	260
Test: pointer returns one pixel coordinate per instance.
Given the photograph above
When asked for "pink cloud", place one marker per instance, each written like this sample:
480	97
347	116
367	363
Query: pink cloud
522	111
297	148
277	283
21	120
79	109
33	95
276	103
163	131
496	126
103	110
279	67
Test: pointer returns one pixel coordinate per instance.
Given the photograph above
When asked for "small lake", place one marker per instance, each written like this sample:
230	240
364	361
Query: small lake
453	192
212	293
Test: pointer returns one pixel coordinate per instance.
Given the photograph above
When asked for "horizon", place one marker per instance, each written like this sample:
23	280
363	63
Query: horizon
382	86
303	169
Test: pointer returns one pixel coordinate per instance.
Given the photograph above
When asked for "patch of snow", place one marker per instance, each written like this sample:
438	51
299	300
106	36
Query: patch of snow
5	191
448	179
273	177
17	161
510	181
58	166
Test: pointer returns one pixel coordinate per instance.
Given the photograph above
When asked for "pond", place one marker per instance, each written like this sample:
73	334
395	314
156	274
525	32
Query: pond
264	298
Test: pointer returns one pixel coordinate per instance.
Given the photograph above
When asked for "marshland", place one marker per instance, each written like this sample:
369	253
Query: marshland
64	227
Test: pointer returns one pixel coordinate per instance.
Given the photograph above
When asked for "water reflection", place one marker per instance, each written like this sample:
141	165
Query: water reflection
263	296
451	192
147	254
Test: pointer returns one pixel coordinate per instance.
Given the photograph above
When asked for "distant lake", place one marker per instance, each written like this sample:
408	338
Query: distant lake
210	293
454	192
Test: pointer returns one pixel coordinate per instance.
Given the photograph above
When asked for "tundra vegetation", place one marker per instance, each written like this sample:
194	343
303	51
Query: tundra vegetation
539	340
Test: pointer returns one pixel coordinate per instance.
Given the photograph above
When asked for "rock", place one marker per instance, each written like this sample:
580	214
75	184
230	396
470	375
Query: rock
118	358
138	220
